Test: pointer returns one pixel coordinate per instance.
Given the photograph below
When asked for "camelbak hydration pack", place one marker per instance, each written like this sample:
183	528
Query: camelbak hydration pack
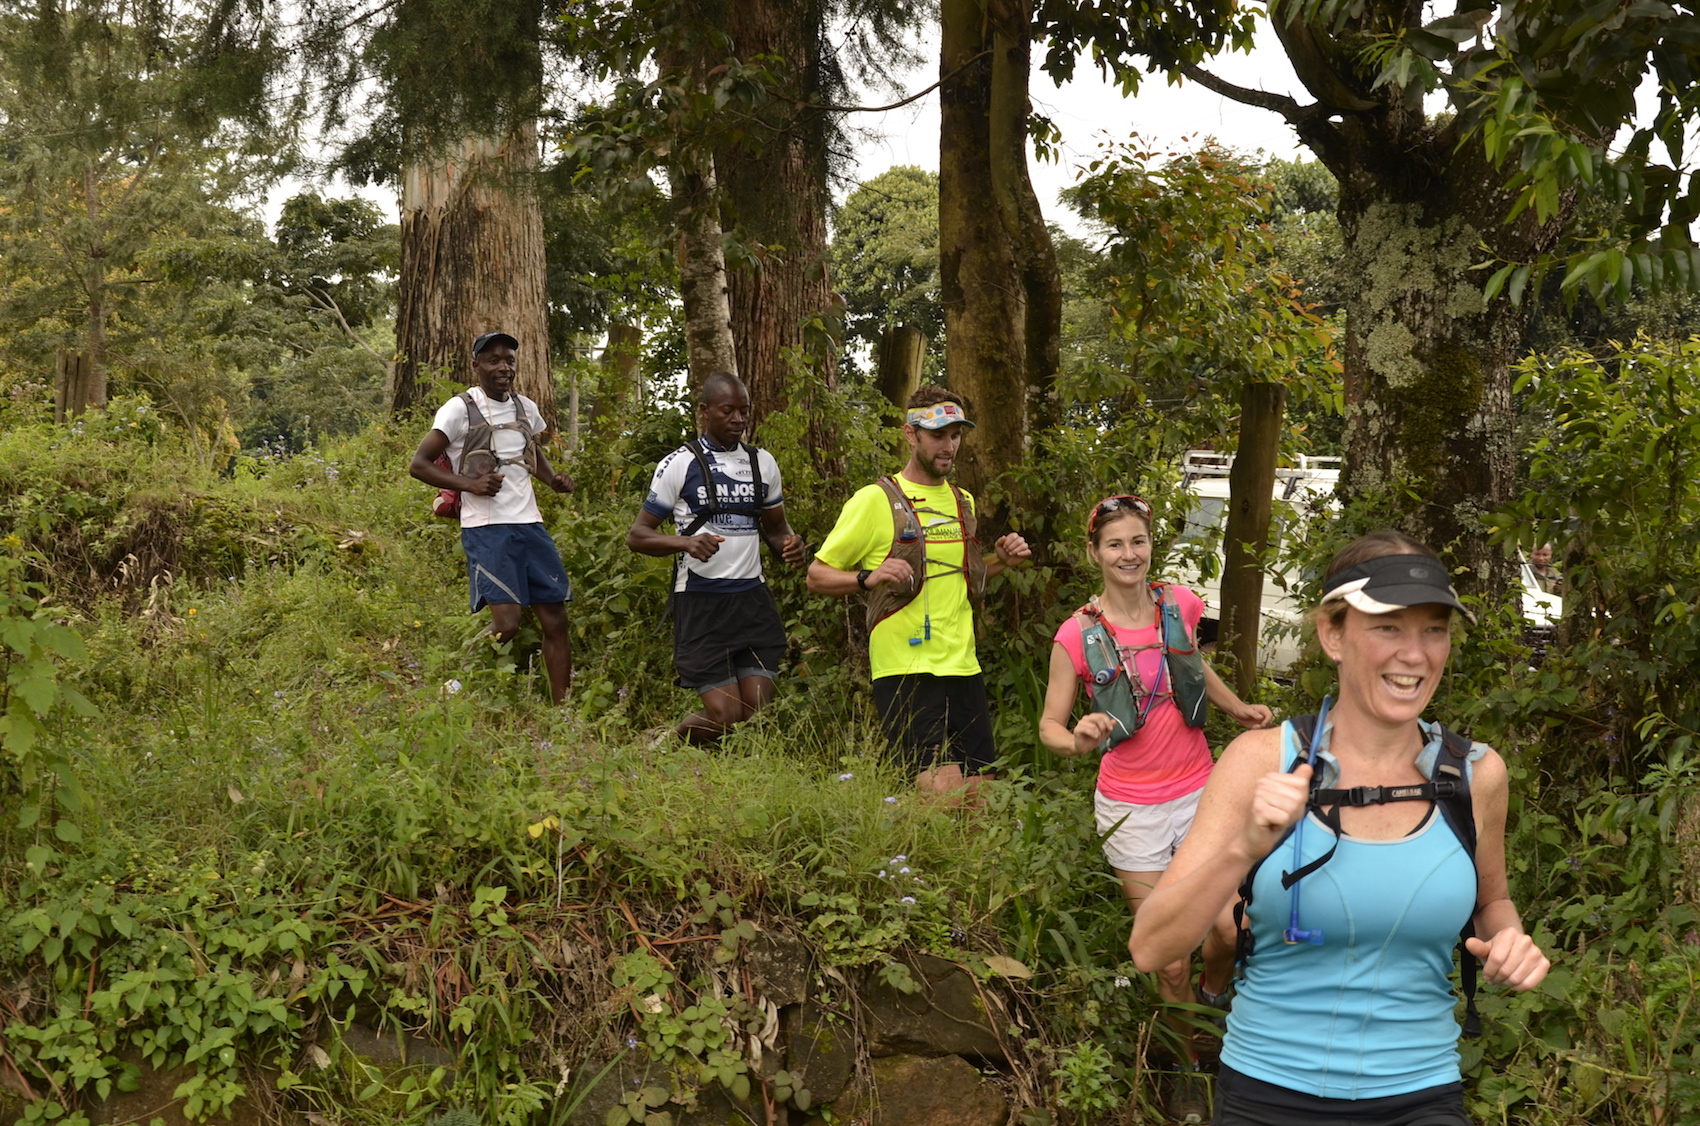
1448	788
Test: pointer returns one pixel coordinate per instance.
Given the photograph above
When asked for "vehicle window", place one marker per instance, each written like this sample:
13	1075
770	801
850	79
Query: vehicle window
1205	517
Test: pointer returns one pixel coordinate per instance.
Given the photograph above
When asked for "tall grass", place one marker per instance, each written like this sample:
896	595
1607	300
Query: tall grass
317	791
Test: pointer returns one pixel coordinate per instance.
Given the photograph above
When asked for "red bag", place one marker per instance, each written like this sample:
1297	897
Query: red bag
447	504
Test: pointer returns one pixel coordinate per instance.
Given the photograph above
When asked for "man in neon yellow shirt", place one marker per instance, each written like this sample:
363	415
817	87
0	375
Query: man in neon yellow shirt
908	542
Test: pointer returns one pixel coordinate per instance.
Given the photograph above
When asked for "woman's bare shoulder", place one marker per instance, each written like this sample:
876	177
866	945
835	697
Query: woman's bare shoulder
1252	754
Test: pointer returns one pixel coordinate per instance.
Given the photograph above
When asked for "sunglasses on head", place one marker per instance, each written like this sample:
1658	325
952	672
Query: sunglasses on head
1111	506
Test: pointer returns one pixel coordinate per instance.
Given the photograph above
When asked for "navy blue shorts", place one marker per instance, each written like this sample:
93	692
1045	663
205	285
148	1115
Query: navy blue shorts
513	563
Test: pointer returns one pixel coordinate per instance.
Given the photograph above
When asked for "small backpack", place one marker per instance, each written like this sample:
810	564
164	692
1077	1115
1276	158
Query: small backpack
909	543
1116	688
713	507
447	504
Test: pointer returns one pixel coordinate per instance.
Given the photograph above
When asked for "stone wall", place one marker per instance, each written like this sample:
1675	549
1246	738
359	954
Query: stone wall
877	1056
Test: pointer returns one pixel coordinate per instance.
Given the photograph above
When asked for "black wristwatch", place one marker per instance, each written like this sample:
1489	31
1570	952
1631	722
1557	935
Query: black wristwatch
862	578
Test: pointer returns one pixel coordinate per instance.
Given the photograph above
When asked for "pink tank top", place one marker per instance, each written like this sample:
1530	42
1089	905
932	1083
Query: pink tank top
1165	759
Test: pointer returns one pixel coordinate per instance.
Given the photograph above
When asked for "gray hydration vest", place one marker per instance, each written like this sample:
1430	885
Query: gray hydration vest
478	448
1116	687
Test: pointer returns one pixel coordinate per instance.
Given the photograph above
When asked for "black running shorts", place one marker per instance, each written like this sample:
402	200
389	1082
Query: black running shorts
936	720
718	639
1244	1101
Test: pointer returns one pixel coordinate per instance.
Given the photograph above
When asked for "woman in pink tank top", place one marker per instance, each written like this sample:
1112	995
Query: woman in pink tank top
1155	761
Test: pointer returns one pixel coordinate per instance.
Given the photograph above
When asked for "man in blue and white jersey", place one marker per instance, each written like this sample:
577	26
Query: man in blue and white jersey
724	498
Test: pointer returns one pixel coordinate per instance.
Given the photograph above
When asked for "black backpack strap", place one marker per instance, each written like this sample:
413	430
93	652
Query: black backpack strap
710	493
1330	818
1381	795
754	453
1459	811
712	508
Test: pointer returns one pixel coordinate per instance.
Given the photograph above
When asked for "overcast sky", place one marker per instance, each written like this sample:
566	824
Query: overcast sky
1089	111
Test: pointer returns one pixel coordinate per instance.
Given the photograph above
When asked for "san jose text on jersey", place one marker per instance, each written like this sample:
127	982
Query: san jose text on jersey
678	493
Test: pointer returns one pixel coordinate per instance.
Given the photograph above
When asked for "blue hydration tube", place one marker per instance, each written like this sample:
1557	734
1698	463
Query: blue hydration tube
1294	934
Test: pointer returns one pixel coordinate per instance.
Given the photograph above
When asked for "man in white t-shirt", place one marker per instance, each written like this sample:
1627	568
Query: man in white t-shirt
724	498
492	435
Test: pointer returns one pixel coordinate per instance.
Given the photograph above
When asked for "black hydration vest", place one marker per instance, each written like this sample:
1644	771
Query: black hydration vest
713	506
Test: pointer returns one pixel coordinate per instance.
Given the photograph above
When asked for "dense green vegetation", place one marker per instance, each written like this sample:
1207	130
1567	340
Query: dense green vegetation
272	778
262	776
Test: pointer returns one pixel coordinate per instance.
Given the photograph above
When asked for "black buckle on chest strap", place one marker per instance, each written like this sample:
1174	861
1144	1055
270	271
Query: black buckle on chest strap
1380	795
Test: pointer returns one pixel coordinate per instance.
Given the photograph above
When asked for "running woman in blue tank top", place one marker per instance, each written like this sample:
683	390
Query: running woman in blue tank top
1359	1028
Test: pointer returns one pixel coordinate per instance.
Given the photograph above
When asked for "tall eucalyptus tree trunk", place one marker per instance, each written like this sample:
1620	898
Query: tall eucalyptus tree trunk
998	277
472	261
774	188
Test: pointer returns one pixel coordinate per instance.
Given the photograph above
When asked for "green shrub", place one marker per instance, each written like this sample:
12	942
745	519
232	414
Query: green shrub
316	792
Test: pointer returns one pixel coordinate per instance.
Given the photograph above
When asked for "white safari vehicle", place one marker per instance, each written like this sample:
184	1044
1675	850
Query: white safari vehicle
1304	495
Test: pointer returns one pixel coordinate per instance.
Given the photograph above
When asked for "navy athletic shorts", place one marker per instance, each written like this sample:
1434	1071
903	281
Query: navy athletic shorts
513	563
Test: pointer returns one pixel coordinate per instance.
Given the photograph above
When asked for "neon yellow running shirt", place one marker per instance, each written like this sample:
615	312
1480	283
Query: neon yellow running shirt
862	539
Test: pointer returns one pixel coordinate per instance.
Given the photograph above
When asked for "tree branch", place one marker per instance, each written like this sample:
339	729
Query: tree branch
915	97
366	15
1262	99
1311	122
326	302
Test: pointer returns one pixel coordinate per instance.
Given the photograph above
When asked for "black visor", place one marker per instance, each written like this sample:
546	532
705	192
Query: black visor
1393	582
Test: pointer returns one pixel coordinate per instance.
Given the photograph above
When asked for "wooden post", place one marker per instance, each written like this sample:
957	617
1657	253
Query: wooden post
902	348
71	384
1251	489
572	393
